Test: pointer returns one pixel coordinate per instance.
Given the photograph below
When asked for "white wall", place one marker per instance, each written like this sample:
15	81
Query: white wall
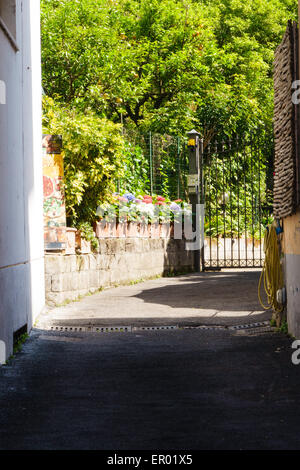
21	216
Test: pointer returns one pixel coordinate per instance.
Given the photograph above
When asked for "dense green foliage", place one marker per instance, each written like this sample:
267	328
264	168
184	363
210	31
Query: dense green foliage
135	178
164	66
93	154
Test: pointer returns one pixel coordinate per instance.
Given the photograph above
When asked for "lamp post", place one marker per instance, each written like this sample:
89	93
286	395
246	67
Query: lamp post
195	188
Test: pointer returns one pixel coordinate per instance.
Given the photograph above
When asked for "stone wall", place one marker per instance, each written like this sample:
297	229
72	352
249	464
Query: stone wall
286	115
119	261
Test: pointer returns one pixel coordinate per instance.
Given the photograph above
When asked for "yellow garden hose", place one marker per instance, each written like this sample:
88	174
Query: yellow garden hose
271	274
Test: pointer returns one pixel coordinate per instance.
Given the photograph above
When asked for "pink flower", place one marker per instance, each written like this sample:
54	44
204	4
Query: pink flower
147	199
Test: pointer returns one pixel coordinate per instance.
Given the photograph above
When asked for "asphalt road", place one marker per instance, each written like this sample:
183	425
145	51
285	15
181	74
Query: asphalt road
162	390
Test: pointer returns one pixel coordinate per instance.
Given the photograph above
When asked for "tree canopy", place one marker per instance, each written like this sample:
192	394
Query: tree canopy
164	65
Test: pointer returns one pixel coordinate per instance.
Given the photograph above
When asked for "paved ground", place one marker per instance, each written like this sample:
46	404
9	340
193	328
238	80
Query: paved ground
227	297
155	390
184	389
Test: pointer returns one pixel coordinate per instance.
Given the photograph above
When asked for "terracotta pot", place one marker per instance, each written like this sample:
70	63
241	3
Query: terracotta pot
132	230
112	229
165	230
155	230
81	244
102	229
121	229
144	231
71	241
85	246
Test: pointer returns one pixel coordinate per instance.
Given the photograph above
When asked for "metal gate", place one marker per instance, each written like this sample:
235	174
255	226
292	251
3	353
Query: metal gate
238	182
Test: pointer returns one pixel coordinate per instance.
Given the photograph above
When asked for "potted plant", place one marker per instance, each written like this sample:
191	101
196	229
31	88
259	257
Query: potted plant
132	220
71	241
143	227
164	219
86	240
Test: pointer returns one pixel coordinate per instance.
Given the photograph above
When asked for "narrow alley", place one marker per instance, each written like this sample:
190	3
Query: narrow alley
183	388
149	227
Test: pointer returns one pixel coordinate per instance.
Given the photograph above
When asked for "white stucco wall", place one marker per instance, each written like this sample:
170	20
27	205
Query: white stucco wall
21	213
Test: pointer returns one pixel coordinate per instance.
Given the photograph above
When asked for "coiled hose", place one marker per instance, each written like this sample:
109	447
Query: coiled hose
271	275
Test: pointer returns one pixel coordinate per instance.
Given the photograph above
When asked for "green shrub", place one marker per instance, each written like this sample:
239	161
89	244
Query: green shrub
93	150
87	232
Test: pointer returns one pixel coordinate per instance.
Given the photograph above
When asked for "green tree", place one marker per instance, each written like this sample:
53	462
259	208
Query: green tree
142	60
165	65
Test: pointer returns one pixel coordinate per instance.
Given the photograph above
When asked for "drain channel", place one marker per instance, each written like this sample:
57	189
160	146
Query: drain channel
250	325
129	329
225	327
92	329
151	328
256	331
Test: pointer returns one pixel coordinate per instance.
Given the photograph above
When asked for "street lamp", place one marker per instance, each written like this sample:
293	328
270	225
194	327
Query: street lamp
195	186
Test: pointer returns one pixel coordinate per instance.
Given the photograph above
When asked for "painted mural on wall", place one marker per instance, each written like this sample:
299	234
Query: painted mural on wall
54	201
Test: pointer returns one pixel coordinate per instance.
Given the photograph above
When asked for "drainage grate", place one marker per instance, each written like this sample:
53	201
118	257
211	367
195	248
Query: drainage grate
256	331
96	329
69	328
128	329
249	325
110	329
151	328
224	327
205	327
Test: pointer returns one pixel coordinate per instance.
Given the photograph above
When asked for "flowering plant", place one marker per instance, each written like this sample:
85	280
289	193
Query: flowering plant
142	209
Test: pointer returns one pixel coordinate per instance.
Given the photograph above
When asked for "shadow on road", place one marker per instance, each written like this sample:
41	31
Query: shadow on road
222	291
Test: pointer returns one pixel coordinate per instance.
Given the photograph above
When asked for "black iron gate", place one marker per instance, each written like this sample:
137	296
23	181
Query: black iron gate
238	182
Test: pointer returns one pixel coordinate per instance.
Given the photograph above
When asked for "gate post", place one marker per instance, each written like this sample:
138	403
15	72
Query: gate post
195	189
